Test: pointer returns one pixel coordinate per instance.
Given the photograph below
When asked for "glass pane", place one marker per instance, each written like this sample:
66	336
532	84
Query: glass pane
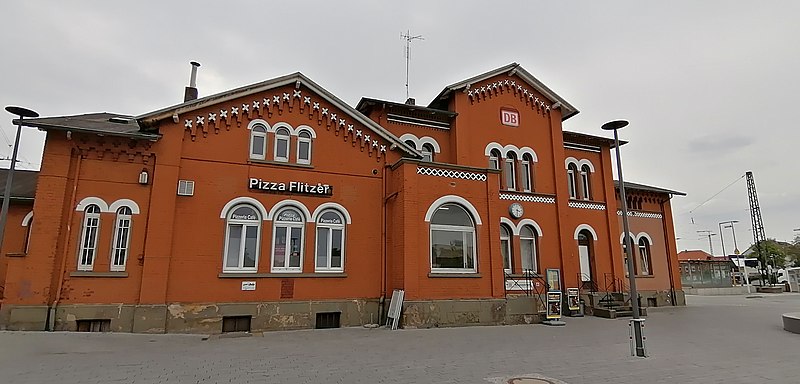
258	145
528	254
469	251
250	247
336	249
451	214
283	148
305	149
234	244
322	247
504	252
447	249
526	177
509	174
330	217
244	212
279	247
296	243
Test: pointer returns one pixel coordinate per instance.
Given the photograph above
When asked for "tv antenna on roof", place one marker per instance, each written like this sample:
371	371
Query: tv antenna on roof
408	37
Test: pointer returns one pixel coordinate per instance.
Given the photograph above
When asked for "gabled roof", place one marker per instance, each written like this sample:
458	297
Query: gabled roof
296	78
23	186
694	254
103	123
510	69
648	188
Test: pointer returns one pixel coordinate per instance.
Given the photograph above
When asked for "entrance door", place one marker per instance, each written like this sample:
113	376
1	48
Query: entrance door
586	269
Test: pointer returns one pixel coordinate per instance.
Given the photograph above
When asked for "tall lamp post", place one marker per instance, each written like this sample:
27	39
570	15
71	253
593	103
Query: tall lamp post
637	323
743	266
22	113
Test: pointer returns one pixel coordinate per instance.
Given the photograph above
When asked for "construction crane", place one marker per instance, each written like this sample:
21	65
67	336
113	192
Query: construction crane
758	224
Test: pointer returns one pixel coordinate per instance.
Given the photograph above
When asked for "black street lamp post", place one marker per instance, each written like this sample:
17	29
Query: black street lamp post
22	113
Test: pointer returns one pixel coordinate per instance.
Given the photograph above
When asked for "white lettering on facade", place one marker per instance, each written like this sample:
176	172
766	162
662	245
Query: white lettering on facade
291	187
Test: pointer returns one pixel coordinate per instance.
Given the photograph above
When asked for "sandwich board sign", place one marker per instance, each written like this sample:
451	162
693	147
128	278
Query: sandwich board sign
395	307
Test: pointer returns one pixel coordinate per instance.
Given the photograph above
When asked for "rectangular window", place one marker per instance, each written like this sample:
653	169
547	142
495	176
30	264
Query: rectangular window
250	246
234	245
509	175
571	181
121	240
279	248
322	247
88	243
236	324
327	320
304	154
259	144
185	188
100	325
506	254
282	149
528	249
585	185
453	250
526	176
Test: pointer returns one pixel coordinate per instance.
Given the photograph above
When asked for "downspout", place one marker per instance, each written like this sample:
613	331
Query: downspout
667	243
382	299
52	309
146	233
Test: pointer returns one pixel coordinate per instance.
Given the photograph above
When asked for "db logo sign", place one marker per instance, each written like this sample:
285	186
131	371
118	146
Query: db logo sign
509	117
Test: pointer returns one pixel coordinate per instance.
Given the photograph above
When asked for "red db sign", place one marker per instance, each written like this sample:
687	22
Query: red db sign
509	117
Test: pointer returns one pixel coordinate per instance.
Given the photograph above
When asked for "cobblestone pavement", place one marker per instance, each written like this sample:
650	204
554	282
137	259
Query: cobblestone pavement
723	339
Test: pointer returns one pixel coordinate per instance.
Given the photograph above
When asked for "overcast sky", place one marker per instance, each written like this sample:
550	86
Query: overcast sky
710	88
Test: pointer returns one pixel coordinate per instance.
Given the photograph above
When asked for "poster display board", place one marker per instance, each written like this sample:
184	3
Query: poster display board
554	280
553	305
573	302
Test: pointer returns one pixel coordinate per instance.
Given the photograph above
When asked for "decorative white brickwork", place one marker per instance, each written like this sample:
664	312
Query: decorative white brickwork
528	198
578	204
646	215
451	174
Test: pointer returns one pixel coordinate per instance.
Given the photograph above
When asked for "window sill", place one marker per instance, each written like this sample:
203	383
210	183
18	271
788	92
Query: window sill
97	274
234	275
281	163
576	200
534	275
454	275
16	254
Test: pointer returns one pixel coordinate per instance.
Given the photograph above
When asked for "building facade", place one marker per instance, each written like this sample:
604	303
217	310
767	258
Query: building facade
279	206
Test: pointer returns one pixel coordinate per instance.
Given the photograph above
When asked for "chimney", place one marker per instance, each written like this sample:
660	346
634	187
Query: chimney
411	101
190	93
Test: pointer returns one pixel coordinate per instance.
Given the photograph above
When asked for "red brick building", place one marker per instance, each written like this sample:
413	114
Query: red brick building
278	206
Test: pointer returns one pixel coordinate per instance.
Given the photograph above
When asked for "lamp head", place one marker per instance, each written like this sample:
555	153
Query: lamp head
21	112
614	125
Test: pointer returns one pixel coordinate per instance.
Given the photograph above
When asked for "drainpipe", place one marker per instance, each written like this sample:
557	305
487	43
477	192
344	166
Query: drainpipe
667	243
52	309
383	245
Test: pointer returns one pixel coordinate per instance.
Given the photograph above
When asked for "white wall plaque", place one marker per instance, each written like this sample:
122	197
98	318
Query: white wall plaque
248	285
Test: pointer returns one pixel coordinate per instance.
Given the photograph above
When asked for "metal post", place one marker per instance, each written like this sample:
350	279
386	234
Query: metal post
722	240
636	322
22	113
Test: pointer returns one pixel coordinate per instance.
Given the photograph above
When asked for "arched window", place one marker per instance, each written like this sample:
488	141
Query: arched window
505	247
509	172
282	144
411	144
427	152
585	184
258	142
625	255
572	171
330	242
528	247
287	241
88	248
585	255
242	239
494	159
644	257
122	234
452	240
304	147
527	173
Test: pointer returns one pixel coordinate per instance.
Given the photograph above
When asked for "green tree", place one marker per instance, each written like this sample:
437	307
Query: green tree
770	252
793	252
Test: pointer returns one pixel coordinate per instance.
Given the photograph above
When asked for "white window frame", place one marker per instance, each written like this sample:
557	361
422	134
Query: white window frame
585	183
571	182
506	235
90	231
278	138
244	224
302	139
122	239
329	243
644	257
534	248
527	180
466	232
510	174
494	160
259	130
288	226
427	153
625	256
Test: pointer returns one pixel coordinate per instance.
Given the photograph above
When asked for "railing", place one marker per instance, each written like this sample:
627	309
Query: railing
587	283
526	283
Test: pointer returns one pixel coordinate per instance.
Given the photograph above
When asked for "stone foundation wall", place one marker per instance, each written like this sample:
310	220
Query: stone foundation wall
455	313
